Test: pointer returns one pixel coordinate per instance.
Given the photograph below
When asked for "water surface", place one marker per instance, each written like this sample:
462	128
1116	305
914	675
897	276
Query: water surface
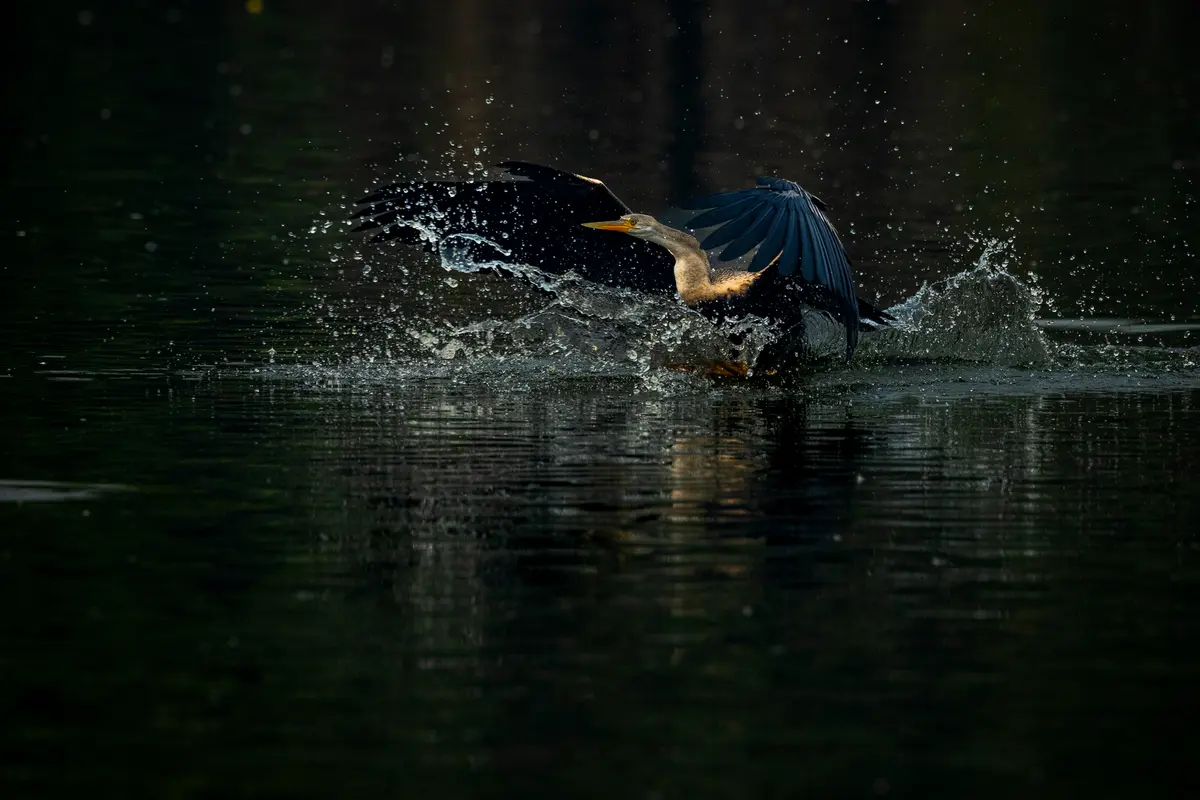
283	515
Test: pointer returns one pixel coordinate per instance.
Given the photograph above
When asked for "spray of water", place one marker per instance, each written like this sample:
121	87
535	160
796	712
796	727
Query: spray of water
477	319
984	314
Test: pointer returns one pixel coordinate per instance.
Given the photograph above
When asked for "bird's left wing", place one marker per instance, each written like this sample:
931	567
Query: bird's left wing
480	206
788	225
599	198
532	212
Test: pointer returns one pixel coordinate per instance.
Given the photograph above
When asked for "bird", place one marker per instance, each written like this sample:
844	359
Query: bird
562	222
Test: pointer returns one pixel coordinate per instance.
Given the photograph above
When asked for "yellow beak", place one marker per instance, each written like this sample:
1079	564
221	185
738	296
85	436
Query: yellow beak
622	225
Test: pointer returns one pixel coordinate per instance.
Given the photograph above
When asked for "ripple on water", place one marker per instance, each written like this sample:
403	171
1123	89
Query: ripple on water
978	330
18	491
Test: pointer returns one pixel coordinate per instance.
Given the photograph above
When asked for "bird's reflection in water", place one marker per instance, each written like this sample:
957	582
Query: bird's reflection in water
691	529
550	558
674	490
709	476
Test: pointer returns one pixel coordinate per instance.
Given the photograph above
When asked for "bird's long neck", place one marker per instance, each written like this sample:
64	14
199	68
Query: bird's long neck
693	275
693	279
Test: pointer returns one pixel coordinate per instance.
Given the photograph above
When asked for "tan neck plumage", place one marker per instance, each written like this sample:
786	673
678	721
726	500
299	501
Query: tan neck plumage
693	274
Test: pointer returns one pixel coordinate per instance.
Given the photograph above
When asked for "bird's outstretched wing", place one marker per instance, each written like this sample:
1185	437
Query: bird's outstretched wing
789	227
533	212
452	205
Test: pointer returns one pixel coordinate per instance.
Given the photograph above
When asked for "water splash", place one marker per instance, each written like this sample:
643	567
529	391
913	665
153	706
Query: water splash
481	322
608	329
467	252
984	314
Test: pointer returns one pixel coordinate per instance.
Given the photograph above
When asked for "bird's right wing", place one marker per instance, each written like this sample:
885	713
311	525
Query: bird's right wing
789	227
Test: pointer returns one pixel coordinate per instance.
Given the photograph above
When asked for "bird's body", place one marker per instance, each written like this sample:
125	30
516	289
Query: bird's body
695	280
556	221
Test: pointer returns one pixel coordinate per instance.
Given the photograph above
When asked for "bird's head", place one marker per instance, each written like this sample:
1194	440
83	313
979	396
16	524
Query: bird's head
643	226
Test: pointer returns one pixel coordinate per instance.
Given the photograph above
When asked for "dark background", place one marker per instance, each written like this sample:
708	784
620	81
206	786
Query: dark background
223	139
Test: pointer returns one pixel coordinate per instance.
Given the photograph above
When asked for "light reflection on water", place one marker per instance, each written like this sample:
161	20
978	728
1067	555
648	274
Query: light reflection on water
533	584
26	491
799	563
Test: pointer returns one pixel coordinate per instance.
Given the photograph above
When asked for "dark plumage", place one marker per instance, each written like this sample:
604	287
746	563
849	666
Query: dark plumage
784	221
538	214
536	217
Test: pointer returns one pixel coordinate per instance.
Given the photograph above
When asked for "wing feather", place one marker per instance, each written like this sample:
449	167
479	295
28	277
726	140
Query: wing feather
811	268
791	244
736	229
781	219
772	243
749	236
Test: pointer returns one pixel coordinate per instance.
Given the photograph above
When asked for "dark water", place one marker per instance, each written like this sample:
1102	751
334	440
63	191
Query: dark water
284	516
